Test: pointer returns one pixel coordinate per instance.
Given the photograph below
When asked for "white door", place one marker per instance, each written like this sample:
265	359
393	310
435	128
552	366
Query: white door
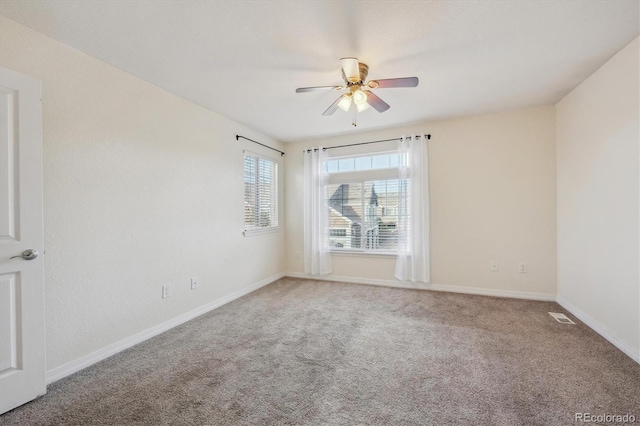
22	344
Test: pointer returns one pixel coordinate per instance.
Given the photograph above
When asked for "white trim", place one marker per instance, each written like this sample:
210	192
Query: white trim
260	230
361	253
361	176
87	360
269	156
433	287
599	328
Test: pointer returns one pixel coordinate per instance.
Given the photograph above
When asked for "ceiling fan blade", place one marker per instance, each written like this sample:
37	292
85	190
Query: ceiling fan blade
393	82
350	69
377	103
333	107
312	89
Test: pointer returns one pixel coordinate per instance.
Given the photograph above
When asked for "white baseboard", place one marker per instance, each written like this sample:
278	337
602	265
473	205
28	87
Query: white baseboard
87	360
434	287
599	328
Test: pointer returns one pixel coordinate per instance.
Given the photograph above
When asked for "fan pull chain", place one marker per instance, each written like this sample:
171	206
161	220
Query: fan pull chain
353	123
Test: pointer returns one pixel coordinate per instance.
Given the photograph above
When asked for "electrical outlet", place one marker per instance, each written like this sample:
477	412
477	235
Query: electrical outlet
194	283
494	266
166	291
522	268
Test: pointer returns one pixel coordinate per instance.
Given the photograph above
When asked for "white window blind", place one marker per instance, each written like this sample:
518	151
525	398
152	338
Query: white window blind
260	193
362	196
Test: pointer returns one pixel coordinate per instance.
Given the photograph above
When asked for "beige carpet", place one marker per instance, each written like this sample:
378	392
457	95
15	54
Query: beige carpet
320	353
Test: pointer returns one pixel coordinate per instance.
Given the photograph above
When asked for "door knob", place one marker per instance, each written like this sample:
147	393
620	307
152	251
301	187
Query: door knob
28	254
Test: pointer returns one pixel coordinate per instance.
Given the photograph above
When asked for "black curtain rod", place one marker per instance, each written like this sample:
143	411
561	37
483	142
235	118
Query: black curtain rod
266	146
363	143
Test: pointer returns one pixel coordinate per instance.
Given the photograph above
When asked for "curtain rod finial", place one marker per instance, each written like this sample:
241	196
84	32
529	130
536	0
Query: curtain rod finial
429	136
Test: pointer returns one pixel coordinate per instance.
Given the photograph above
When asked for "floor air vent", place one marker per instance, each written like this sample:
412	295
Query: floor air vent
561	318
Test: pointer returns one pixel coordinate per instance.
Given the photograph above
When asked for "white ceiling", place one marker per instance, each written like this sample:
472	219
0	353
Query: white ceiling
244	59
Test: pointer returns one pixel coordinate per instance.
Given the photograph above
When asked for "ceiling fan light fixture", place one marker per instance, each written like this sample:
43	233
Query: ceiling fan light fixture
354	75
362	107
351	69
345	102
359	97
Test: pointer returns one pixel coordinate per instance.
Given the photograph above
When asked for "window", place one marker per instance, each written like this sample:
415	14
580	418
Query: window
362	196
260	193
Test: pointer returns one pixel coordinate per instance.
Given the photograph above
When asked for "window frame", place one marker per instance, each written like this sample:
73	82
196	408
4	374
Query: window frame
361	177
250	230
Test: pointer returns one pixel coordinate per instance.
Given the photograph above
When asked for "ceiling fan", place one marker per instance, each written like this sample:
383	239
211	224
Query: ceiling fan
354	74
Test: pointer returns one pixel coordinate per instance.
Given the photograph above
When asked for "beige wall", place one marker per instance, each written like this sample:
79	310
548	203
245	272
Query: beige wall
598	134
141	189
492	180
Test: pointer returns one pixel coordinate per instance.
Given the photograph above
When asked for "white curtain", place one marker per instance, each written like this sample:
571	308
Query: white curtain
412	263
317	259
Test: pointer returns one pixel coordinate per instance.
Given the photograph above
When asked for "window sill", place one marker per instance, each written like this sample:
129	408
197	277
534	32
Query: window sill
260	231
353	253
